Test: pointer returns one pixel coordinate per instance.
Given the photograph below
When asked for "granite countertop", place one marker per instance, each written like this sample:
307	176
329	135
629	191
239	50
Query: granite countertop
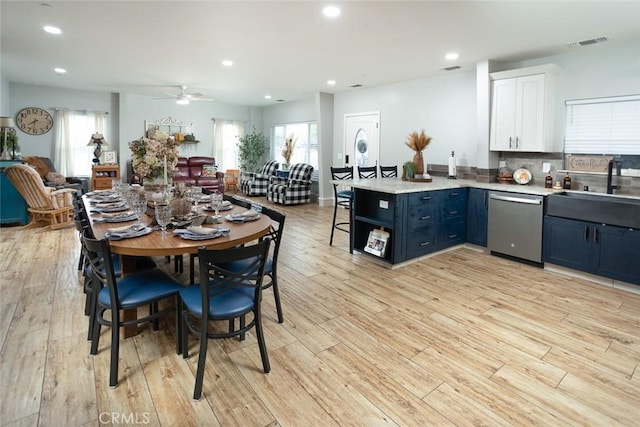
397	186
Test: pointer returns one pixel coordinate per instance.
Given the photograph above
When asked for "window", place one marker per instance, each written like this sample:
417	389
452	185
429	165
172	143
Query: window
306	150
603	126
226	134
72	154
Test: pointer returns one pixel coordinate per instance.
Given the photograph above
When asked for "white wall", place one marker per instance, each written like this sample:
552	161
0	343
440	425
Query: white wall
444	106
5	110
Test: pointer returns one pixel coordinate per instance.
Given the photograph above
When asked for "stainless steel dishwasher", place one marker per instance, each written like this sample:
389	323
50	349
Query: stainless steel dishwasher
515	225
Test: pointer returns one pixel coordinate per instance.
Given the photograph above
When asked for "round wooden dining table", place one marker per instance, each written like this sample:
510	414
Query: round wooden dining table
158	244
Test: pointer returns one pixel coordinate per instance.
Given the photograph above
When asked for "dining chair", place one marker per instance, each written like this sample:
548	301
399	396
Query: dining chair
138	289
223	295
367	172
271	268
388	171
342	198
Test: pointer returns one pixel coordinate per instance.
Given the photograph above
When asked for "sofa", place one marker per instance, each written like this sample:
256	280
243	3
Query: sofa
51	178
295	189
199	171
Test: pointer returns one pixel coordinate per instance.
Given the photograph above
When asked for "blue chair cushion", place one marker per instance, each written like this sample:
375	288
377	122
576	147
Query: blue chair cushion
237	266
142	263
226	305
141	288
347	194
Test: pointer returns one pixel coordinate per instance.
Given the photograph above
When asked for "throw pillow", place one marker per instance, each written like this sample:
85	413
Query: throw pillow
209	171
56	178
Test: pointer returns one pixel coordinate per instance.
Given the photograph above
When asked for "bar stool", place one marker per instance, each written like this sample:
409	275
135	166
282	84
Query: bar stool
388	171
342	198
367	172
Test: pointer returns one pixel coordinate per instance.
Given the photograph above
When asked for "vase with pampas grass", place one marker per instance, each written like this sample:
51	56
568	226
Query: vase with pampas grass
418	142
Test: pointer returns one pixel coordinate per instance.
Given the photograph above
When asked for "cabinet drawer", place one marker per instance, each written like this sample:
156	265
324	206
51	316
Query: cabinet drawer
422	218
425	198
450	234
422	243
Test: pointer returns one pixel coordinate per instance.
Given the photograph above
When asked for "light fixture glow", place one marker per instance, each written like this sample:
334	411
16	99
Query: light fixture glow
331	11
331	82
52	30
451	56
267	97
59	70
182	101
227	63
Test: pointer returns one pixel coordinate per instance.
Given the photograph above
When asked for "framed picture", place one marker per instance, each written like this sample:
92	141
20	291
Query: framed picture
109	158
377	242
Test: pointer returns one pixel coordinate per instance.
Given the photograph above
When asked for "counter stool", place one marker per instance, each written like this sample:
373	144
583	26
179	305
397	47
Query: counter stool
388	171
367	172
342	198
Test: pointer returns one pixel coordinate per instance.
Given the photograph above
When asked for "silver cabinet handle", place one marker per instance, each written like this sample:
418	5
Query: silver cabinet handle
510	141
425	243
425	217
517	142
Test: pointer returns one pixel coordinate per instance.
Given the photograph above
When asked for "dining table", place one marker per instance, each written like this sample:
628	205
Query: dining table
158	243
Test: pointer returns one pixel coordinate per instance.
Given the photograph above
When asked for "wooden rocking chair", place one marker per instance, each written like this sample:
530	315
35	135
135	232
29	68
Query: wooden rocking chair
46	204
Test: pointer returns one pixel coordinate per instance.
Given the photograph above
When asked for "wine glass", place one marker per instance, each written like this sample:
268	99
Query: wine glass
163	216
216	202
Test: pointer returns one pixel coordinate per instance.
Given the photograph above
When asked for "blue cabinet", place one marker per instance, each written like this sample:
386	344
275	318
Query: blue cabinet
13	208
601	249
477	216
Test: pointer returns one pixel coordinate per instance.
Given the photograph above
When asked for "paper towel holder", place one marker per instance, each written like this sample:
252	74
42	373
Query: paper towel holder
452	166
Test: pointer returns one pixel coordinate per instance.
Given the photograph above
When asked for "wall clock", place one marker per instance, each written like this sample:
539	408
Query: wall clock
34	121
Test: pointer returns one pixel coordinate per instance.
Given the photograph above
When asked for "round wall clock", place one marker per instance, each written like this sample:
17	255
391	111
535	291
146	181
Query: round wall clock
34	121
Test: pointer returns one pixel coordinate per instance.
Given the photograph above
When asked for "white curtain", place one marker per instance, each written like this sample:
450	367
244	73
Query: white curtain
225	142
72	156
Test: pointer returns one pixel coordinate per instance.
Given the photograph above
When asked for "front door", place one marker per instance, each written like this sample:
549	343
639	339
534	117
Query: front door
362	139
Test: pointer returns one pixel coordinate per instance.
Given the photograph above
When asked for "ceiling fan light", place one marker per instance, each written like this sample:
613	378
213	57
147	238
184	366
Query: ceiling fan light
182	101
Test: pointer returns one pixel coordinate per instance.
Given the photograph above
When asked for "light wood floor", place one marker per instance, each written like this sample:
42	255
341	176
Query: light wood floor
462	338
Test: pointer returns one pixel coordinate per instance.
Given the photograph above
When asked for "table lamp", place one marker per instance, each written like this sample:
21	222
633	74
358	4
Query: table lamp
6	124
98	140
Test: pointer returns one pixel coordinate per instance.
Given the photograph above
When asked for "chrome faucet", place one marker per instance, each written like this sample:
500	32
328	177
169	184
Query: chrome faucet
610	186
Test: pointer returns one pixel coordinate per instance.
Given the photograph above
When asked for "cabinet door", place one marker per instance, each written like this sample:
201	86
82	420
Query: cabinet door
477	216
503	115
618	253
529	113
567	242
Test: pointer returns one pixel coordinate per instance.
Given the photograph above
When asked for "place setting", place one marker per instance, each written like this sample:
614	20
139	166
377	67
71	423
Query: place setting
198	232
242	217
128	231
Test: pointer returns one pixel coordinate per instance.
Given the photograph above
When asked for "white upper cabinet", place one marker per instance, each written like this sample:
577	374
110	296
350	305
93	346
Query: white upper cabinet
522	110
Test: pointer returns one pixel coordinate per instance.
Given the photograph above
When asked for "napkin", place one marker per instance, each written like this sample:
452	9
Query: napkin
249	214
127	228
116	203
202	230
117	214
225	203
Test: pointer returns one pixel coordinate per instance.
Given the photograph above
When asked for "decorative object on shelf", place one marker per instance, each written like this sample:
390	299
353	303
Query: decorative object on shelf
154	158
377	242
287	151
408	170
505	176
109	157
34	121
9	138
98	140
251	149
418	142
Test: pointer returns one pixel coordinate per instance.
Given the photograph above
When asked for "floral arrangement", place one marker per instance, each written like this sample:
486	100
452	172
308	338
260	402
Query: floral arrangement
418	141
289	146
148	155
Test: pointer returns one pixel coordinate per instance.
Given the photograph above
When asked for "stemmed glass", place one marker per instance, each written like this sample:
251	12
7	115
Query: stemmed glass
163	216
216	202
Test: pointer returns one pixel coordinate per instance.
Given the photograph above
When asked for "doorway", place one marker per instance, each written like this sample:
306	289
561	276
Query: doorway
362	139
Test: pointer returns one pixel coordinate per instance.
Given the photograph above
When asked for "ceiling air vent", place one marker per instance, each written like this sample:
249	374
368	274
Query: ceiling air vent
588	42
356	85
451	68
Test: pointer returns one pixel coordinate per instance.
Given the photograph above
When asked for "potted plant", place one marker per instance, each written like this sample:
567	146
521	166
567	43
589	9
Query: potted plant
251	149
12	143
408	170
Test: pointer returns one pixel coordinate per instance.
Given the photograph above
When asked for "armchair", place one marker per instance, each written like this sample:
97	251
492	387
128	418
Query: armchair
255	184
295	189
44	203
50	177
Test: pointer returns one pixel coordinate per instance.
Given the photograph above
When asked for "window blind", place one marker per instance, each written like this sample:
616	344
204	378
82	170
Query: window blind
603	126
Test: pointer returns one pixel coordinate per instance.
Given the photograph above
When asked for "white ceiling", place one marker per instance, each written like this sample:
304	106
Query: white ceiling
286	49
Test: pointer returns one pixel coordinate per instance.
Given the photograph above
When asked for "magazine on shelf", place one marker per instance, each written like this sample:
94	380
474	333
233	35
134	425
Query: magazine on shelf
377	242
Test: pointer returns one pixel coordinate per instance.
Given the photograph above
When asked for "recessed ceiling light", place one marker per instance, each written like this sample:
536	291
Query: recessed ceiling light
331	11
331	82
267	97
227	63
451	56
52	30
59	70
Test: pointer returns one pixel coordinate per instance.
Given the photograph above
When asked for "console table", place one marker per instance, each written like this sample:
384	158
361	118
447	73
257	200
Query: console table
13	208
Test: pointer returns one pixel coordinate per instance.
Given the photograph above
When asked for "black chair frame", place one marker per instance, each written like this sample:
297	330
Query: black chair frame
341	198
388	171
366	172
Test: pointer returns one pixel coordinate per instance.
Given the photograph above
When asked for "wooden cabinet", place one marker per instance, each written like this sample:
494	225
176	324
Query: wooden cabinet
477	216
601	249
102	175
13	208
522	110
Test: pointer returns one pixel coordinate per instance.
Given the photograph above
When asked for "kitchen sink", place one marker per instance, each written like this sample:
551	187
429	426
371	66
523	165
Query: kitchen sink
600	208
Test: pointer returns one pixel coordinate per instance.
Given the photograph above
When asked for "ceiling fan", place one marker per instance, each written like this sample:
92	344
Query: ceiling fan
183	98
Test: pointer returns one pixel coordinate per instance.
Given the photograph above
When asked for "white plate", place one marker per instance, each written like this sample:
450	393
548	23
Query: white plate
522	176
241	219
222	208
